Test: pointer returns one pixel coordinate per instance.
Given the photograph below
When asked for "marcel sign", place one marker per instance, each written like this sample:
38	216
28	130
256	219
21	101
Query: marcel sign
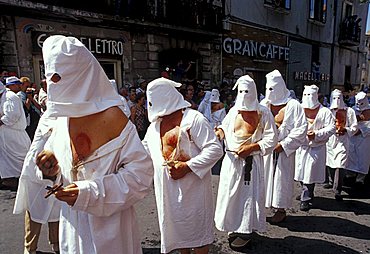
95	45
255	49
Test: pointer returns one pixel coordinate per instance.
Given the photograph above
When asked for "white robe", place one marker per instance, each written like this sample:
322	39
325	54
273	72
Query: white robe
337	148
31	189
240	206
217	117
111	180
359	159
310	158
279	175
14	141
185	206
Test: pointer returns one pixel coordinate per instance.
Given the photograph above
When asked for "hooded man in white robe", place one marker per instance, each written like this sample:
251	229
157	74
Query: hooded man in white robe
14	141
184	148
249	133
93	151
292	127
359	159
337	148
205	106
310	160
218	111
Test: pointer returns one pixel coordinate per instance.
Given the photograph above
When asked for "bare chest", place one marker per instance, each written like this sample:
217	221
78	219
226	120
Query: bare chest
246	123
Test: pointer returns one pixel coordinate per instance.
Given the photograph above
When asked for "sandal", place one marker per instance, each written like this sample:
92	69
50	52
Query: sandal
279	216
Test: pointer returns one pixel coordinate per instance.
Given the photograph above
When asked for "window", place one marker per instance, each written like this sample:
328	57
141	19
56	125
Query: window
278	3
318	10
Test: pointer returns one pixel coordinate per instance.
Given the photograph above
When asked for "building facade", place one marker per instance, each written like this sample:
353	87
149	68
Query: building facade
323	40
131	39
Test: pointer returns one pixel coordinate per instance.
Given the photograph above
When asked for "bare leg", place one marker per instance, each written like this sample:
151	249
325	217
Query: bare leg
202	250
184	251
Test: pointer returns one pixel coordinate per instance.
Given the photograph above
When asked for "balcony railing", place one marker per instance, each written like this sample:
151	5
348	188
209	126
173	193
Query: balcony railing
202	14
350	31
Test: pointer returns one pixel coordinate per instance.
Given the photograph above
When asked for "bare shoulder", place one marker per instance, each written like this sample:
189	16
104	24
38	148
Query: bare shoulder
115	121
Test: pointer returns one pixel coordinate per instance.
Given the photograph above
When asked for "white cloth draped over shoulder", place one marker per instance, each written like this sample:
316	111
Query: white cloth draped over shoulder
14	141
240	206
185	206
311	156
279	175
31	189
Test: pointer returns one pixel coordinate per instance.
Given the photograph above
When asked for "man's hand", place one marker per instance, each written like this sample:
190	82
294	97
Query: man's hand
278	148
311	135
341	131
68	194
179	170
219	133
47	163
245	150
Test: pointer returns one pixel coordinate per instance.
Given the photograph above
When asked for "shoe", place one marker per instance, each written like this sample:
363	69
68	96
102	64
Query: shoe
278	217
305	206
29	252
327	186
338	197
239	242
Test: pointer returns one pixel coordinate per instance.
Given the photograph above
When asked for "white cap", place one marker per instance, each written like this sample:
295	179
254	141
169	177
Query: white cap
336	100
246	98
276	91
215	96
13	80
310	97
84	88
362	102
163	98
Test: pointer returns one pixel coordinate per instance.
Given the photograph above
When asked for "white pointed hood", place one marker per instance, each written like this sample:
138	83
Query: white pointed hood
276	91
84	88
163	98
336	100
362	102
246	98
310	97
215	96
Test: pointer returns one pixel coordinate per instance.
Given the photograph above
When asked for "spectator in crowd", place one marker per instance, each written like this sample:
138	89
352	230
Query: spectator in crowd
43	96
123	91
292	128
103	167
310	158
337	148
249	133
183	148
359	159
30	106
132	97
139	115
14	141
189	96
141	85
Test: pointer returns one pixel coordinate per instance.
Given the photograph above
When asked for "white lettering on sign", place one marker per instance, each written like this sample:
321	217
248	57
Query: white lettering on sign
255	49
95	45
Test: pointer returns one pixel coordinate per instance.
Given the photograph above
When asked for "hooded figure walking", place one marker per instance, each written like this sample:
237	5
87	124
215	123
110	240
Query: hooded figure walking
249	133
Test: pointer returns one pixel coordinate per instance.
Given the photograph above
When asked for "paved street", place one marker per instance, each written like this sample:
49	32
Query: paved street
330	227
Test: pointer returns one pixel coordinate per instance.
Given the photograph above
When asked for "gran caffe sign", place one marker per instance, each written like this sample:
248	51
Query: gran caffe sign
255	49
98	46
